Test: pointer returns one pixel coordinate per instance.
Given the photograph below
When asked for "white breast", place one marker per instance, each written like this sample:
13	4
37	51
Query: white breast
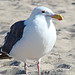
37	40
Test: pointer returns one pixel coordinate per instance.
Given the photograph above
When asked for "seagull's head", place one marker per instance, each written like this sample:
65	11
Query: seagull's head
46	12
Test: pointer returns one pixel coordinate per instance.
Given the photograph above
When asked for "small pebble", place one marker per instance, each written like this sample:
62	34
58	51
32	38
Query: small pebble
64	66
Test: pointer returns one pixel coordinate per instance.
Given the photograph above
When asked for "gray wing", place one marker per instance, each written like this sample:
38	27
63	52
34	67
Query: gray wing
15	34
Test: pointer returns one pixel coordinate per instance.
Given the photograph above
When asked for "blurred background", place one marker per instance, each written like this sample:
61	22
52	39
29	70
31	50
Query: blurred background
61	60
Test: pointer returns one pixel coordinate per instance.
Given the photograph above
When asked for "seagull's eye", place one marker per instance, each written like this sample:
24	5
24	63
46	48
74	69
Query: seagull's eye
43	11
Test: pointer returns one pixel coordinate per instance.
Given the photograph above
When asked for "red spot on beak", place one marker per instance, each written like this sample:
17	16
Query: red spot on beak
59	19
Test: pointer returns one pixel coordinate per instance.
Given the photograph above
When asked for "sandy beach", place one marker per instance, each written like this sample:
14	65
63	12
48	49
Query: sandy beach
61	60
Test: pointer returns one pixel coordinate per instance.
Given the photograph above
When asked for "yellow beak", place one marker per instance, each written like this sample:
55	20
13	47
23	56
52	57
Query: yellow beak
56	16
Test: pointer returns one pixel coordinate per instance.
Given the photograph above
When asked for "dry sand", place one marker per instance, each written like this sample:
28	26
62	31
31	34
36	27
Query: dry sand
61	60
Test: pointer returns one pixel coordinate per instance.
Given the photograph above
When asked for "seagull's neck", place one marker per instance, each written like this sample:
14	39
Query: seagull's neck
49	22
40	20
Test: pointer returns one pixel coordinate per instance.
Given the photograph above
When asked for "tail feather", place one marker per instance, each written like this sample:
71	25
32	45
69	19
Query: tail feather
4	55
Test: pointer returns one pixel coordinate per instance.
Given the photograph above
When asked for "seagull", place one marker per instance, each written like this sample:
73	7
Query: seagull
31	38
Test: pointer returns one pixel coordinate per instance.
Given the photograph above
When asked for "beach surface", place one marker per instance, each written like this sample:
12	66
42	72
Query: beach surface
61	60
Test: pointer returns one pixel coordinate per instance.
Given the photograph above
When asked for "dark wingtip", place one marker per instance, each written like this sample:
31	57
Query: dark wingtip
4	56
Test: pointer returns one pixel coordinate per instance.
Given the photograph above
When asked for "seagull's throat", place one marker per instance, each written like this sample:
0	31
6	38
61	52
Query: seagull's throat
41	21
48	21
44	21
